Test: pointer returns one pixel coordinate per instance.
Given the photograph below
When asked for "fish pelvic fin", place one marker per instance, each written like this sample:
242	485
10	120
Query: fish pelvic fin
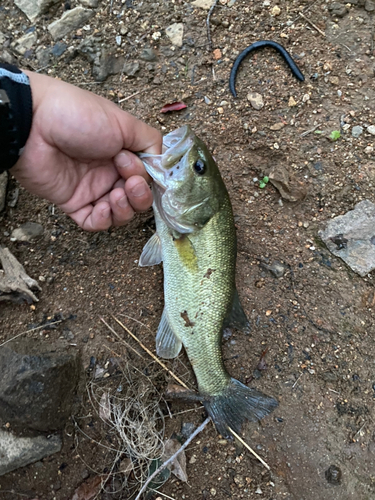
151	254
237	317
168	345
237	404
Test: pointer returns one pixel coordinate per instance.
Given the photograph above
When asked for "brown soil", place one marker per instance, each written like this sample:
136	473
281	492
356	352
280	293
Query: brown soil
316	320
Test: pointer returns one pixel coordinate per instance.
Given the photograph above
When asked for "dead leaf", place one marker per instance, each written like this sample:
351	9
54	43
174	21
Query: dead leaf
174	106
105	407
89	489
289	188
178	465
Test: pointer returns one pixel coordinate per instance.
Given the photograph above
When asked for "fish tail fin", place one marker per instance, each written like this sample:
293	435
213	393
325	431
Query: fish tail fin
237	404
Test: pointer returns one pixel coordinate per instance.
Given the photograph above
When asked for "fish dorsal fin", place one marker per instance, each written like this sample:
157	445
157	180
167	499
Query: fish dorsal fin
168	345
151	254
237	317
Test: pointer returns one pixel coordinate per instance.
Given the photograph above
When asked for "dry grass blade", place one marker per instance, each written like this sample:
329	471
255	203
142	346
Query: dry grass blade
121	340
28	331
151	354
250	449
167	462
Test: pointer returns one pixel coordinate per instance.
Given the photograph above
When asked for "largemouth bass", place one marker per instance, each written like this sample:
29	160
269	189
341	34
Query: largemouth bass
196	241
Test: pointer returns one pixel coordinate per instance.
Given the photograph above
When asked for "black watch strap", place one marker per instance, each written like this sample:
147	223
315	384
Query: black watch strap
15	114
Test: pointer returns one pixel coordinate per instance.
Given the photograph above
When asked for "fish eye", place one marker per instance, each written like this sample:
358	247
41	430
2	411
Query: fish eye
199	166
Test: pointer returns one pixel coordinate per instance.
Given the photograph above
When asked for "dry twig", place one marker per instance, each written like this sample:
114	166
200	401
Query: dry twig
250	449
312	24
150	353
208	24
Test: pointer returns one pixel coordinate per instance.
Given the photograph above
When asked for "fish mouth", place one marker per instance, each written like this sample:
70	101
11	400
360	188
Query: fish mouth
175	146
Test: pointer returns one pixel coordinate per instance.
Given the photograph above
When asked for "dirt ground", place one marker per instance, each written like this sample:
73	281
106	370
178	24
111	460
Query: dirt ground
316	320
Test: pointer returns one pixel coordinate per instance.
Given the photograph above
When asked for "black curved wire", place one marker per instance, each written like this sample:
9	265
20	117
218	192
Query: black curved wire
257	45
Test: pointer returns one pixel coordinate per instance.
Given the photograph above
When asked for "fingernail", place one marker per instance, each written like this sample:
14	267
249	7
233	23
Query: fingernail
106	213
139	189
122	160
123	202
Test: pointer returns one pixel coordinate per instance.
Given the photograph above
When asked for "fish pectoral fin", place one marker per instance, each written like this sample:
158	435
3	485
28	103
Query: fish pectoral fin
237	317
151	254
168	345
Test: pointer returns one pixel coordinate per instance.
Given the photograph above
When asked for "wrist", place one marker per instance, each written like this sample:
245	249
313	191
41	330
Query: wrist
15	114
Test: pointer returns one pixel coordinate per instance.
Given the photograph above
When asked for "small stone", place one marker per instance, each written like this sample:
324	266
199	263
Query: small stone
2	38
220	110
337	9
21	45
148	54
131	68
277	126
156	35
175	33
187	429
27	232
213	492
371	129
3	189
292	102
193	459
239	480
92	4
334	80
58	49
106	65
34	8
369	6
207	100
357	131
258	491
203	4
275	11
305	98
123	30
217	54
118	40
223	442
16	452
277	269
351	237
333	474
256	100
69	21
369	150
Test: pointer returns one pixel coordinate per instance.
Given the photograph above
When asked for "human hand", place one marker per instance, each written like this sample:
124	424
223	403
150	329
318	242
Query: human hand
78	155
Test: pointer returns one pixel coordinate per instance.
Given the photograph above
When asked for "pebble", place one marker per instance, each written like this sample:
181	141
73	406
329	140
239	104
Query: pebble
333	474
118	40
27	232
207	100
369	150
213	492
175	33
21	45
92	4
58	49
371	129
256	100
203	4
334	80
357	131
275	11
193	459
258	491
277	126
148	54
131	68
369	6
337	9
217	54
292	102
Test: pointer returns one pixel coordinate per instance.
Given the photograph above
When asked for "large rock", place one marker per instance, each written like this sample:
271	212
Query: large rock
69	21
17	452
34	8
352	237
37	385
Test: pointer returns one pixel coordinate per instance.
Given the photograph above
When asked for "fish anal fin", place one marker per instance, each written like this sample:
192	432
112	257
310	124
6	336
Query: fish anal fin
168	345
151	254
236	317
